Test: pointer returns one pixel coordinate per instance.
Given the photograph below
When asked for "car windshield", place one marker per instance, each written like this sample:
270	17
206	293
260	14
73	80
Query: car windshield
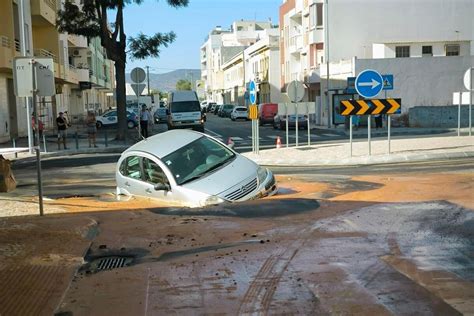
196	159
185	106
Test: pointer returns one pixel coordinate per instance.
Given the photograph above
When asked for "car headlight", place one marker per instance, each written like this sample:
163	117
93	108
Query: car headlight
262	174
212	200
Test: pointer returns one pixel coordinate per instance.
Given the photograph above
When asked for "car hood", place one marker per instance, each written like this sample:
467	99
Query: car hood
226	177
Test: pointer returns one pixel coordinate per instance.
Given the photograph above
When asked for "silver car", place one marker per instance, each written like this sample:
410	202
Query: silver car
192	169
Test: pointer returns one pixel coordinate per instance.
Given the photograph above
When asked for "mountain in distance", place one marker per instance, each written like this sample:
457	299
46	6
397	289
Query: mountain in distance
167	81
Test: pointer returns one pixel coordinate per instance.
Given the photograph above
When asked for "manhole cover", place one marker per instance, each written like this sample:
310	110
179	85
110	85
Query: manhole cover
109	263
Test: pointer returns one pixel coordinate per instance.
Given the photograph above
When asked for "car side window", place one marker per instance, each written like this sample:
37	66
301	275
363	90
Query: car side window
153	172
132	168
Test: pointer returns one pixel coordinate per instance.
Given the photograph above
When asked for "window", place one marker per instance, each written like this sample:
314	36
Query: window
312	15
427	50
153	173
402	51
453	50
319	15
131	168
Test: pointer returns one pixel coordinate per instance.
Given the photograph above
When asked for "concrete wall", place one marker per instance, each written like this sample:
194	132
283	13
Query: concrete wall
441	116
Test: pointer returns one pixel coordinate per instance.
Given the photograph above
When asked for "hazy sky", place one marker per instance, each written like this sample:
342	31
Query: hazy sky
191	25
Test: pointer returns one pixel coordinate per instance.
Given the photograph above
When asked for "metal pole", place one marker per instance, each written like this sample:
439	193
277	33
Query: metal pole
459	113
139	117
76	138
44	143
350	133
253	136
389	119
296	123
326	44
369	123
286	122
307	122
470	102
257	128
23	40
37	148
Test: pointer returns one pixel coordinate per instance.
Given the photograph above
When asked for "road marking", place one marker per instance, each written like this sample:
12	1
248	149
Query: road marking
214	133
237	139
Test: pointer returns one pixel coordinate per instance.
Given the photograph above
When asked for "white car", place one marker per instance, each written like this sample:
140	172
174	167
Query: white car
110	118
239	112
188	168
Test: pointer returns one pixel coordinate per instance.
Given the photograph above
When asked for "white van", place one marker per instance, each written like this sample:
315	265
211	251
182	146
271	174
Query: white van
184	111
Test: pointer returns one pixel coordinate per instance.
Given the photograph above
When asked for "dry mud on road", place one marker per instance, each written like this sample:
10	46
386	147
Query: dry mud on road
327	247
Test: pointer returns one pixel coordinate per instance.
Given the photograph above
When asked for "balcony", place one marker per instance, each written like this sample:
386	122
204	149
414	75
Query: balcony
72	74
43	12
77	41
82	74
316	36
296	44
6	53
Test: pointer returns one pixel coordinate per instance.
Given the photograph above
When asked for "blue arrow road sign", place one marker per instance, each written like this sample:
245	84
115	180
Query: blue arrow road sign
387	82
369	83
252	92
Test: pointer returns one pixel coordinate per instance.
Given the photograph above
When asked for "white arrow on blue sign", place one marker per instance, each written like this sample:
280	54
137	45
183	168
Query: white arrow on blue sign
369	83
252	92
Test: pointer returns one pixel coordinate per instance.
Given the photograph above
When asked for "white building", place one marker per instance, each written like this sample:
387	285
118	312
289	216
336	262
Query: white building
220	47
372	30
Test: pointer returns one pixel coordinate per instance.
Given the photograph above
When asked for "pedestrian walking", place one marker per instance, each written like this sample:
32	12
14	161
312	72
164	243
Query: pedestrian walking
91	123
145	119
40	128
61	123
378	121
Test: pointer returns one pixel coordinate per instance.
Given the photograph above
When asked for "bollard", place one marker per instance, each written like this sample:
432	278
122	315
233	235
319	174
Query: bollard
14	146
106	138
76	136
44	143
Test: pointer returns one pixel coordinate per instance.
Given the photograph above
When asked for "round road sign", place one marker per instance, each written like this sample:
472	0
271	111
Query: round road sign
295	91
369	83
138	75
467	78
252	92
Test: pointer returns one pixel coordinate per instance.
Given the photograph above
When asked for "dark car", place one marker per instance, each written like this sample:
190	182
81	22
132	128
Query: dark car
160	115
280	121
225	110
217	108
211	106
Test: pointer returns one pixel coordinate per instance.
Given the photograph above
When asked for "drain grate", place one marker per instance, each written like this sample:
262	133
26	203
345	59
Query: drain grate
109	263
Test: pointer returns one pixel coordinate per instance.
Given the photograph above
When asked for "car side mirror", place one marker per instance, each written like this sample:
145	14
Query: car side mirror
162	187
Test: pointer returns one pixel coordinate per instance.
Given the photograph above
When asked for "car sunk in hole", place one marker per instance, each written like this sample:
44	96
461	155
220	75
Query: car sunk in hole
188	168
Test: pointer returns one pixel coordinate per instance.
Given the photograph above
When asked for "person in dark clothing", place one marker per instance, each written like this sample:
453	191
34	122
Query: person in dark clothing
378	121
61	122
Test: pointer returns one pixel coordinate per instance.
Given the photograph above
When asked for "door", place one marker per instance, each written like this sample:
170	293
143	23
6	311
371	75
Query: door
131	176
154	176
12	110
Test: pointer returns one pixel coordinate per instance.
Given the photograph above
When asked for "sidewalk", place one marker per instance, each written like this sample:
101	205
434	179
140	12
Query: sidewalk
362	131
402	150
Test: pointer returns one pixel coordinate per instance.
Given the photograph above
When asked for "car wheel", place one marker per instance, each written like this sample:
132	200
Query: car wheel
232	118
130	124
98	124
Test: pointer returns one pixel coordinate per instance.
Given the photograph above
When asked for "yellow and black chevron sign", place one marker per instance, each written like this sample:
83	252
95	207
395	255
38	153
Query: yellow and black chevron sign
371	107
253	112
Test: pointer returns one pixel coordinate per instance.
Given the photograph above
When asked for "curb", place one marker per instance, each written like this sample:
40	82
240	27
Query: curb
358	161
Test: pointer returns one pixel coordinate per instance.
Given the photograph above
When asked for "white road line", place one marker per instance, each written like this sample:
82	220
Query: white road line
237	138
213	133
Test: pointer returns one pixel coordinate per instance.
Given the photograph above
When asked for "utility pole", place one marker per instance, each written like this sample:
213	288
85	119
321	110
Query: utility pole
148	78
326	44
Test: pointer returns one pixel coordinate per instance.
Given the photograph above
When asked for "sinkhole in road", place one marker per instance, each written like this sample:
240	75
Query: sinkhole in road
249	209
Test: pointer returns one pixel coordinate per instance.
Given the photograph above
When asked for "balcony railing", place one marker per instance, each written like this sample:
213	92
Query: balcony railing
40	52
17	45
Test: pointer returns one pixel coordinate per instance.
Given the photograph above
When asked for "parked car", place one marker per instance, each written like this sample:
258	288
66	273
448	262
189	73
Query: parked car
280	121
217	108
225	110
204	106
239	112
267	112
211	106
160	115
109	118
189	168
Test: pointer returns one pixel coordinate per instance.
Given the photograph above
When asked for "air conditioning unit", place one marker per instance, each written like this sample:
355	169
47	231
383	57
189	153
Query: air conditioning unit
76	52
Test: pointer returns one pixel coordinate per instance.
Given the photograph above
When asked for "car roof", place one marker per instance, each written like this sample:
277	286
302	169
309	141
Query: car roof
163	144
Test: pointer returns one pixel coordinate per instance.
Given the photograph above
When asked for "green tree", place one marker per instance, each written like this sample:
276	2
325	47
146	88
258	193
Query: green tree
183	84
92	20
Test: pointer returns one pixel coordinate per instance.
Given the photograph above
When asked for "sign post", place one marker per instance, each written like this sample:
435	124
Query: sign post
138	75
468	84
34	77
253	115
296	91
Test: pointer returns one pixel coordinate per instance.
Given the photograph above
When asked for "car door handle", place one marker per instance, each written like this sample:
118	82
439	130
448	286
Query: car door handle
148	191
127	184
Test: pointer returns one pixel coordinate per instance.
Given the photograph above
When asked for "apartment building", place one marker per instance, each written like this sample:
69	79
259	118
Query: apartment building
220	47
362	32
76	64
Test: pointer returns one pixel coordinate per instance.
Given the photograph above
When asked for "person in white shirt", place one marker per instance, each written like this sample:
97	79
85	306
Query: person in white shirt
145	119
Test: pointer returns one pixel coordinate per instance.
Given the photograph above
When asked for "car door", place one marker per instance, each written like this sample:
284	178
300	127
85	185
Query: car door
110	118
131	175
154	175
